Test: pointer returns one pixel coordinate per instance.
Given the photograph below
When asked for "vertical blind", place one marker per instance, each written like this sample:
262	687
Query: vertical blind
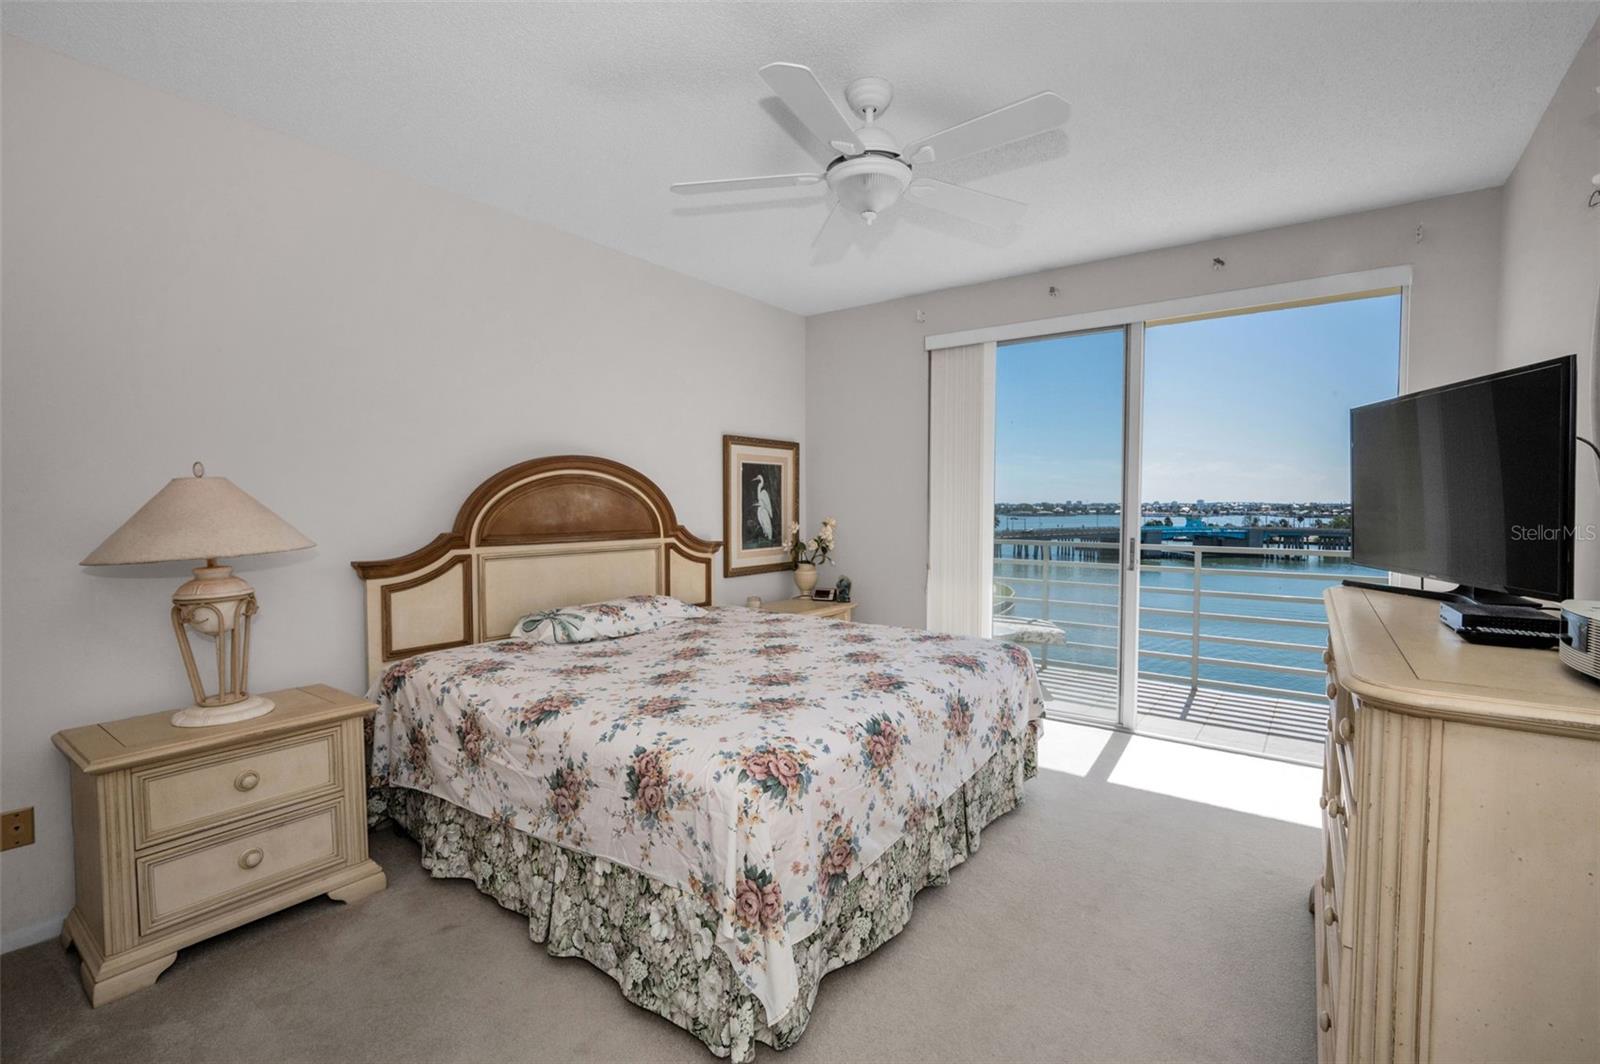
961	489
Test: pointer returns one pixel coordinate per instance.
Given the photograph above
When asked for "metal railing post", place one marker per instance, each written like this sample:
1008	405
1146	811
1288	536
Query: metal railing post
1194	622
1044	649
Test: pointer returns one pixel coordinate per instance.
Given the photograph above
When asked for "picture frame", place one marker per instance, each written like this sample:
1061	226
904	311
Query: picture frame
822	594
760	503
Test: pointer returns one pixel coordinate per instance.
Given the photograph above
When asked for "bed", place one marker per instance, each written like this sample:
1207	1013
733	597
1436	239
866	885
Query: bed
715	809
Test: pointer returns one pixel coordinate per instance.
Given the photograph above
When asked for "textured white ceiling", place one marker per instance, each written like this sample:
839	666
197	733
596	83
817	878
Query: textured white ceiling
1190	121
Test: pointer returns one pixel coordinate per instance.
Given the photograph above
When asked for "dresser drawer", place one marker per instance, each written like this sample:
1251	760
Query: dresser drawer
1327	986
1344	753
1331	783
189	881
1336	895
1342	727
1333	966
1334	846
190	796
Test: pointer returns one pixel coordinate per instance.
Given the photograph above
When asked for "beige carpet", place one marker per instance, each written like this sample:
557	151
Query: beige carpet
1099	922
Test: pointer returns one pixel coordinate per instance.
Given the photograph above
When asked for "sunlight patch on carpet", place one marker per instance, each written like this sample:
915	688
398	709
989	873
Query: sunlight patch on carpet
1071	748
1255	785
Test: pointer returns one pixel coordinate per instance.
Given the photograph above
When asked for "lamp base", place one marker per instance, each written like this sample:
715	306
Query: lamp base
206	716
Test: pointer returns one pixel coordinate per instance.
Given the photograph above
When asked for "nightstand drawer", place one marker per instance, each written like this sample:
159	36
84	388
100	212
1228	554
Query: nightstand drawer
187	797
811	607
187	882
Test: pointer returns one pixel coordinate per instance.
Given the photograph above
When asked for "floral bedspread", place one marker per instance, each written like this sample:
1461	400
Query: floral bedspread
758	760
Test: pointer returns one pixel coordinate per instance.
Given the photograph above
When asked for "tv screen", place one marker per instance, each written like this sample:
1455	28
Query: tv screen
1471	483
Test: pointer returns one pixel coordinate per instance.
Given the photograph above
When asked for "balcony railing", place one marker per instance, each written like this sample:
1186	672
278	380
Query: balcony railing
1232	618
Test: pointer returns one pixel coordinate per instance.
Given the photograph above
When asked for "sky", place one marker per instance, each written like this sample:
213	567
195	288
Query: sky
1247	407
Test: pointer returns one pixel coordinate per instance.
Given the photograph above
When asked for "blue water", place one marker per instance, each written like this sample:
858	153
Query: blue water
1095	602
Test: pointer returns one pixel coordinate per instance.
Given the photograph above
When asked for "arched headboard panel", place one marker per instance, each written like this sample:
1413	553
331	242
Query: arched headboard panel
543	533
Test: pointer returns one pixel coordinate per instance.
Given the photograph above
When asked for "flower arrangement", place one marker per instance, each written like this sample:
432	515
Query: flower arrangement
814	551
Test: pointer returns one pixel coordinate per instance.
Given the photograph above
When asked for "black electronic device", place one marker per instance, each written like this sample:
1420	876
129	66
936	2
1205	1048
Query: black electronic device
1506	626
1472	483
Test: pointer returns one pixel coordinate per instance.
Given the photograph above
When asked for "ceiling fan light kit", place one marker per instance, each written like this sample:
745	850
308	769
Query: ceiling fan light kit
869	184
873	172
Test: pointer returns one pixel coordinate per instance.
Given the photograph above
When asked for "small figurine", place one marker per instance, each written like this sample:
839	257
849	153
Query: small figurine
841	590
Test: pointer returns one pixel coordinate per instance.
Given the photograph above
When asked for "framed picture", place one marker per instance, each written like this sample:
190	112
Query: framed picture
760	502
822	594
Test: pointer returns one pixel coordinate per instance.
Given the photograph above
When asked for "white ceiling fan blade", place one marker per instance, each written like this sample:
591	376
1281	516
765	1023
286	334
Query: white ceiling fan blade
1012	122
739	184
996	212
835	236
799	88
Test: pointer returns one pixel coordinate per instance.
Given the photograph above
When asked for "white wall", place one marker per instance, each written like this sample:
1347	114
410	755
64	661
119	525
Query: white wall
356	350
359	350
867	375
1550	268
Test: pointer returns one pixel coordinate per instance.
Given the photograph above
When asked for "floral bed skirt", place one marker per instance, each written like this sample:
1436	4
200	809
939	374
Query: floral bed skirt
658	941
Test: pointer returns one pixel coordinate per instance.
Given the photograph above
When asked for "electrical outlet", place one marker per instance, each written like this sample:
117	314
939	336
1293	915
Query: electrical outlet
16	828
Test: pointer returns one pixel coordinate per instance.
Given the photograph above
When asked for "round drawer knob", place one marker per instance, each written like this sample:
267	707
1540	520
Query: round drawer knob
250	858
1333	807
1327	656
1333	688
1347	730
1330	917
246	780
1325	1021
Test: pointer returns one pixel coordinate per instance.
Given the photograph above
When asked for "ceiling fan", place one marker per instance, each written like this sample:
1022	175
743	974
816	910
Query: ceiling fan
872	171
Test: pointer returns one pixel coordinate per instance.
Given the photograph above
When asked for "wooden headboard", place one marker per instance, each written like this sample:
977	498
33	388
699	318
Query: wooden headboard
545	533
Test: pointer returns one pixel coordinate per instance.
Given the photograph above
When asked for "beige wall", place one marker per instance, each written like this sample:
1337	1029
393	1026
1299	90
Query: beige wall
355	349
1550	269
867	376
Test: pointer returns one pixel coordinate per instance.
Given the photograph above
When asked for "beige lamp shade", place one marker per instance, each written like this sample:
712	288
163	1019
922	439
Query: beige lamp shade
198	517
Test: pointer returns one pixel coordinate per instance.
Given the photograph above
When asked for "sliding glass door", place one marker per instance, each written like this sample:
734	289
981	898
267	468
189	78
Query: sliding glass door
1246	513
1059	533
1171	497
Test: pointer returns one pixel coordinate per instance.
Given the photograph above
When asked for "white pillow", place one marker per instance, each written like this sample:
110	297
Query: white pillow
603	620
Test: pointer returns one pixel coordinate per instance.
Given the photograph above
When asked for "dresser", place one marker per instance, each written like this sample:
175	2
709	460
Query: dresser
182	833
845	611
1457	917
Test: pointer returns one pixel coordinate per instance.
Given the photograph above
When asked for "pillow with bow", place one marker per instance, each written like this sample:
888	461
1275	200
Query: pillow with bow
603	620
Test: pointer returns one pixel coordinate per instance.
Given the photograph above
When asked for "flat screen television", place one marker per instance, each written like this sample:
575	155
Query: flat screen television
1471	483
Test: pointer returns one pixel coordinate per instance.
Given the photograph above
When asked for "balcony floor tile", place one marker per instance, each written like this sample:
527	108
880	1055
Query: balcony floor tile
1225	738
1284	728
1285	748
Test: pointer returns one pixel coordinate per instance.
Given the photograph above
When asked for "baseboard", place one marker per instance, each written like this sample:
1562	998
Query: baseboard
31	935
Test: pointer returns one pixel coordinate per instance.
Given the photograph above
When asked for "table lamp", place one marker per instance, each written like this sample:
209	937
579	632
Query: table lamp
210	518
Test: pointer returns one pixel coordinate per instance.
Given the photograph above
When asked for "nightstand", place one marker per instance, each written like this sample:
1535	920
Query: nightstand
845	611
183	833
